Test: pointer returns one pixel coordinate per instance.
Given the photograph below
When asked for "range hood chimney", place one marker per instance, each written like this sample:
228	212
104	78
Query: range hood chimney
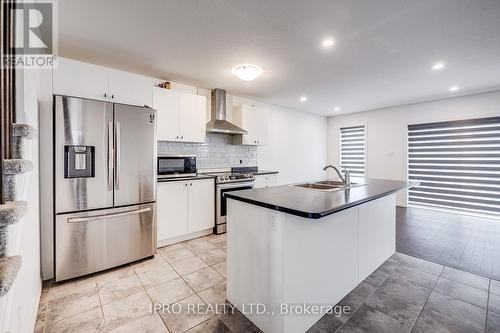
218	123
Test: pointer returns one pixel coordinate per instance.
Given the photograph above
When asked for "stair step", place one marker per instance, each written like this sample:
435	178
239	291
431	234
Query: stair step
24	131
16	166
11	212
9	267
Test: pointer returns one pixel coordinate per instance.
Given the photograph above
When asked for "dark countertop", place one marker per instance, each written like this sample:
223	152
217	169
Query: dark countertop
177	179
315	204
264	172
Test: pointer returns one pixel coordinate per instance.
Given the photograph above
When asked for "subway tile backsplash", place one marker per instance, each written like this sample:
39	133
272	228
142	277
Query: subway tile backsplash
216	152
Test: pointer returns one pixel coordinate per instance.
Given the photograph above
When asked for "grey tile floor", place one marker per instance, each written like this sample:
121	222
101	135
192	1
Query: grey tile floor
405	294
463	242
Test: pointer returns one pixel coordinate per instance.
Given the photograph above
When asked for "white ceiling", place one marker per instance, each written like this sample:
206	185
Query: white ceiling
382	57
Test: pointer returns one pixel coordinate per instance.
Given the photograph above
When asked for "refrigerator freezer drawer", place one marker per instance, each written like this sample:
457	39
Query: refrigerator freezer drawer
93	241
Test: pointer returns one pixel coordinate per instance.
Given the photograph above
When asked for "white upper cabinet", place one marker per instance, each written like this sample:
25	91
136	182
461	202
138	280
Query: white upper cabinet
254	121
80	79
166	103
129	88
193	118
180	116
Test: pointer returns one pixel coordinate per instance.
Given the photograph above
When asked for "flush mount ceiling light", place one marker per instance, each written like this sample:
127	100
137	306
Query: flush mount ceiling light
454	88
328	42
303	98
247	72
438	66
336	109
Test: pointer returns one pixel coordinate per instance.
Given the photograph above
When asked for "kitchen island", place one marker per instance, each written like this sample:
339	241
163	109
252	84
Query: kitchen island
295	250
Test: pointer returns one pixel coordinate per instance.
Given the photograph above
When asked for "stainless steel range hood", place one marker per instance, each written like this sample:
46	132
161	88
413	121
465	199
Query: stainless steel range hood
218	123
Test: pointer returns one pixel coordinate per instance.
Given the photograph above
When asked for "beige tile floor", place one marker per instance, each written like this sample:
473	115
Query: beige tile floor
121	299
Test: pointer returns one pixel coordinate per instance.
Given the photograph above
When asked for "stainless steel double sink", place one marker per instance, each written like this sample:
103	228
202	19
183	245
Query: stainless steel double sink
327	185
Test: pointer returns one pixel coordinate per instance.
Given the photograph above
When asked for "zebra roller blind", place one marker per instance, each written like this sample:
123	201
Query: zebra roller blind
457	164
352	149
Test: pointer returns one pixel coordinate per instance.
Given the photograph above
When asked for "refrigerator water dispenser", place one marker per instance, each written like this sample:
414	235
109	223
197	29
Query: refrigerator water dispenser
79	161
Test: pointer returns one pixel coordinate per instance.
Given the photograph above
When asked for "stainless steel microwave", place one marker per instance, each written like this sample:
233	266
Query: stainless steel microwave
176	166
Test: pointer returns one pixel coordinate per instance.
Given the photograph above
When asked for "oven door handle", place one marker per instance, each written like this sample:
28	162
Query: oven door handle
223	186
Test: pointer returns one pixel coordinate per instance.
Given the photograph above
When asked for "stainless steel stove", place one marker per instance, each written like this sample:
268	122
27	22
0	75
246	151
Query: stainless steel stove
228	182
232	177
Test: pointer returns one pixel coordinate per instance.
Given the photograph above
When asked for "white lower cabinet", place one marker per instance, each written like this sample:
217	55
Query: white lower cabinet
266	180
201	205
184	208
171	209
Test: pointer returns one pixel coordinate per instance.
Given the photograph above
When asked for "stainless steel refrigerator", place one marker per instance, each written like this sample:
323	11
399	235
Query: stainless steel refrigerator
104	185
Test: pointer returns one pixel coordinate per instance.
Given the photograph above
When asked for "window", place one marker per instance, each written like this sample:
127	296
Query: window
457	164
352	149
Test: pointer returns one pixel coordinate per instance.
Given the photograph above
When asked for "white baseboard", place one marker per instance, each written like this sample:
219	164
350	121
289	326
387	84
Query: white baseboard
178	239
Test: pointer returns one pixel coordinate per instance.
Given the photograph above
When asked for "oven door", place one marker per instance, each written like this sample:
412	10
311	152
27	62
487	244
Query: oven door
221	201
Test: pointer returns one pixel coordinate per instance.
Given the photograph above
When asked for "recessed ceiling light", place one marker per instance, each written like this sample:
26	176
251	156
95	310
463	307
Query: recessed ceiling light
336	109
328	42
454	88
303	98
247	72
438	66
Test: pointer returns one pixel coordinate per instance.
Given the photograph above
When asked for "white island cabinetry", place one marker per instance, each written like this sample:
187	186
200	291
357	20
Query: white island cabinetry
296	260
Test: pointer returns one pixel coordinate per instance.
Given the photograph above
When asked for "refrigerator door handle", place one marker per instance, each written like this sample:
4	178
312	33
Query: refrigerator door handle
117	159
110	156
102	217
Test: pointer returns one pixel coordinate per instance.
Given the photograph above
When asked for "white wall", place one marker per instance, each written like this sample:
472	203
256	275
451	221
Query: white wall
296	143
386	130
20	305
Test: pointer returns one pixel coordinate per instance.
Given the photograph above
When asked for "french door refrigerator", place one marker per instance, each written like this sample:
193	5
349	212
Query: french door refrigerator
104	185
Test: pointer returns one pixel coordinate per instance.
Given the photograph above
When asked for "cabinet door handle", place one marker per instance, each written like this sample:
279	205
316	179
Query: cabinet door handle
113	96
182	137
177	137
190	184
186	184
105	95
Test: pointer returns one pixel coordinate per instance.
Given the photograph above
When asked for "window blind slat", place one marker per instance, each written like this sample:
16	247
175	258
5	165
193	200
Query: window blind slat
464	187
457	164
454	131
453	137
